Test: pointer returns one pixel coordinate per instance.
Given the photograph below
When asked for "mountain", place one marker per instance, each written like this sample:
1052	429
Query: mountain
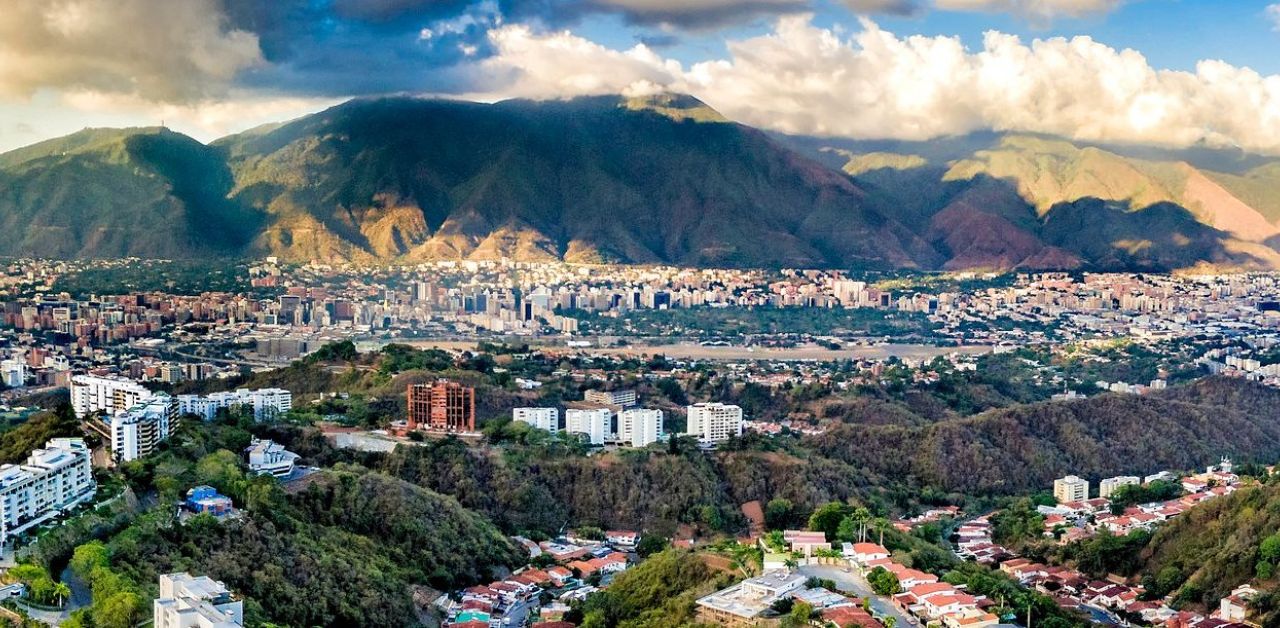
106	192
593	179
1022	449
662	179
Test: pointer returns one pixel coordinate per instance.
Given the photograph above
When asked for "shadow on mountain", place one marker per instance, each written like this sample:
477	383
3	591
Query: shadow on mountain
985	223
199	177
1161	237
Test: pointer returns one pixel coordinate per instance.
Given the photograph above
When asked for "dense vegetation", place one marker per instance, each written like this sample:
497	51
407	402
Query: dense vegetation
344	550
181	277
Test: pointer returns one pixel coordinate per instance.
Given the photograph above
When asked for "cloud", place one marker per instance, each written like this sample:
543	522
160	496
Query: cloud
205	121
888	7
1034	10
874	84
176	50
1272	13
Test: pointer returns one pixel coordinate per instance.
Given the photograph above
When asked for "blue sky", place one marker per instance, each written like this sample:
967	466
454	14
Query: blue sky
209	67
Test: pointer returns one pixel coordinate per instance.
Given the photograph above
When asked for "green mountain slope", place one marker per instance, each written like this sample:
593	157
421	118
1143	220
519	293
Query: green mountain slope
102	192
1022	449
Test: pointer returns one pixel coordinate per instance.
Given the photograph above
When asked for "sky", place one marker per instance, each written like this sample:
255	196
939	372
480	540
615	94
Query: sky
1167	72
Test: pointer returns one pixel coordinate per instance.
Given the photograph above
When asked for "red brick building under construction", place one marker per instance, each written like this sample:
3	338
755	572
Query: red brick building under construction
443	405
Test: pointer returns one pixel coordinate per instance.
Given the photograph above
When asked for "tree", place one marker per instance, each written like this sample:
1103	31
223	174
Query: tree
778	513
827	518
883	582
650	544
62	591
121	610
890	621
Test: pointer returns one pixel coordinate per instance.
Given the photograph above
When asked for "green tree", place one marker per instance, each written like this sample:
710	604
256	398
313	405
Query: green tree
883	582
778	513
827	518
62	591
122	610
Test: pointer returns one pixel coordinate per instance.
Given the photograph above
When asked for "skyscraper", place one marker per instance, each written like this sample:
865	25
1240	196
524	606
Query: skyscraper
443	405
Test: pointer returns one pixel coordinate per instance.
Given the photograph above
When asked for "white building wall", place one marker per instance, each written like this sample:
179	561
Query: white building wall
714	422
593	423
640	427
542	418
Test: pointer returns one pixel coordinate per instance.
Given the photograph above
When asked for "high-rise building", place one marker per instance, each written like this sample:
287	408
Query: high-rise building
443	405
1070	489
52	480
640	427
542	418
187	602
714	422
1108	486
137	432
93	393
594	423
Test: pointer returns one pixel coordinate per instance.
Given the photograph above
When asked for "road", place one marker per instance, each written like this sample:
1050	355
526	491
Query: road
853	582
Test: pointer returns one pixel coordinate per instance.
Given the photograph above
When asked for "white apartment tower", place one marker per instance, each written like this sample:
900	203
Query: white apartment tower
109	395
714	422
1070	489
640	427
52	480
267	403
137	432
187	602
542	418
1108	486
593	423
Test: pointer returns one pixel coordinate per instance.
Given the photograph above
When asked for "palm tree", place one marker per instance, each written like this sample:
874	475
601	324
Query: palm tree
881	524
61	591
862	516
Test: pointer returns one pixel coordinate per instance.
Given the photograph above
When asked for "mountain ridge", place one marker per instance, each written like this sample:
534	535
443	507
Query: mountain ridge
662	179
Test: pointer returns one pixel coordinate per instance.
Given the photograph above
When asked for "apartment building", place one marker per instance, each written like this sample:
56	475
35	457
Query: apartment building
542	418
105	394
443	406
1108	486
268	457
594	423
714	422
624	398
640	427
1070	489
195	602
267	403
52	480
137	432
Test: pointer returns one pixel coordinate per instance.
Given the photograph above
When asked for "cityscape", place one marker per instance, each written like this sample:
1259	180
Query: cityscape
639	314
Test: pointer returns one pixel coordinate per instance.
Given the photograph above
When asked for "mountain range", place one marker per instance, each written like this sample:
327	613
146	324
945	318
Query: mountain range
664	179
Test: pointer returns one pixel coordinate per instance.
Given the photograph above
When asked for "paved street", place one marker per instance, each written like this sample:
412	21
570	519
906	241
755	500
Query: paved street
853	582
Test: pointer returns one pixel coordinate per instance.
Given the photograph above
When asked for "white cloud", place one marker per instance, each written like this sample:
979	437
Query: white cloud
1273	15
205	121
874	84
172	51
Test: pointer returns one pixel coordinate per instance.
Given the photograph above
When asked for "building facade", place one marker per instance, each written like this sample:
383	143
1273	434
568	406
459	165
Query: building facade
93	393
443	406
267	403
714	422
594	423
1109	486
137	432
624	398
270	458
52	480
640	427
1070	489
542	418
195	602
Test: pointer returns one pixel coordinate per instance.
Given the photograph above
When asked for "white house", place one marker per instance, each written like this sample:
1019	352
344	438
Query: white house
270	458
201	602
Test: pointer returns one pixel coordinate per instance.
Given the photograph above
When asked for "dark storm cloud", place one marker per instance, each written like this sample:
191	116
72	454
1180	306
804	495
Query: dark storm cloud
349	47
685	14
887	7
